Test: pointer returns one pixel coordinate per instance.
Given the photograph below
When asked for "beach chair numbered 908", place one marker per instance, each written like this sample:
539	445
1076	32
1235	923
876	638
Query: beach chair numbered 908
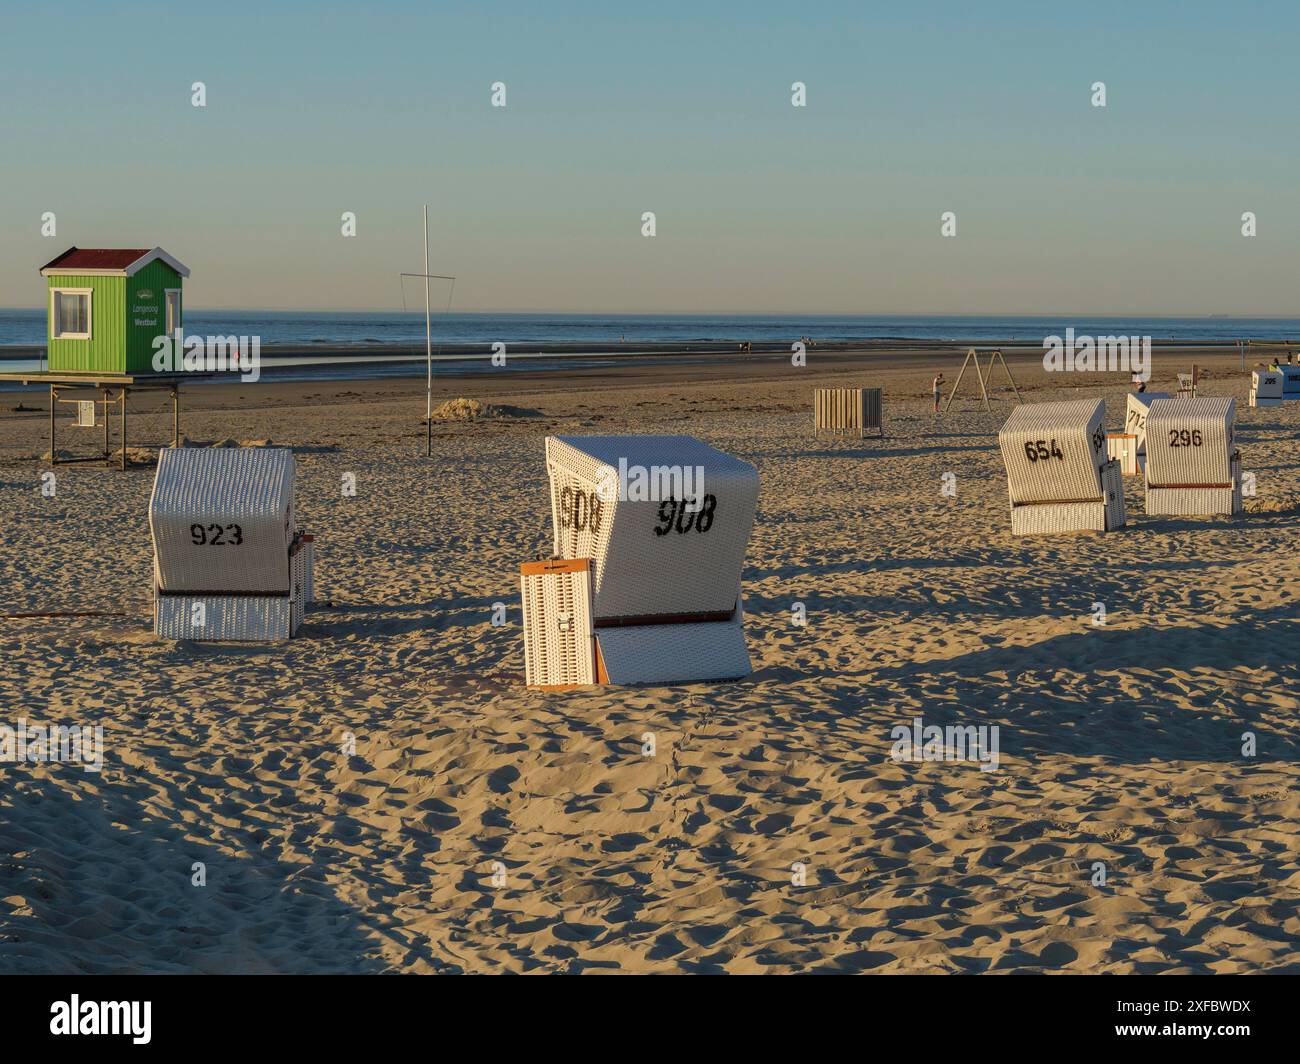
229	561
663	523
1059	476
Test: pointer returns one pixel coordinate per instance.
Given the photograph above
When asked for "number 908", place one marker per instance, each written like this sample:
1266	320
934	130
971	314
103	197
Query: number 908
676	516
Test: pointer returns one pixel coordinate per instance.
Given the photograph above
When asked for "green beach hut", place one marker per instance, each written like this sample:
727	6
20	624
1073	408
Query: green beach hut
107	305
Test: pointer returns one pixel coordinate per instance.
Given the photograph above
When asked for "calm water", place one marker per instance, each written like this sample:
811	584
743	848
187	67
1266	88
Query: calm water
375	330
305	327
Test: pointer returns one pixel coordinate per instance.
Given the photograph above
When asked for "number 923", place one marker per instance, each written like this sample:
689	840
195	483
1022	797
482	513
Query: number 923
216	535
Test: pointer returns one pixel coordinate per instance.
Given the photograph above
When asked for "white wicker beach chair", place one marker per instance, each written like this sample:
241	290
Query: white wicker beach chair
1193	465
1290	382
229	563
665	522
848	411
1123	448
1136	406
1059	475
1129	447
559	646
1266	387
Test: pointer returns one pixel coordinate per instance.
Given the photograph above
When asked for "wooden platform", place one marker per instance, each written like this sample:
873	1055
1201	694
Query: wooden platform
106	384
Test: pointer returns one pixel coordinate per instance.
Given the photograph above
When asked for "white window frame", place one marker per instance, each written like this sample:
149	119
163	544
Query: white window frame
180	310
89	293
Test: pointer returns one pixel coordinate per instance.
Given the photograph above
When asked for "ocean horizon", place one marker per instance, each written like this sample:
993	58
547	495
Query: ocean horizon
26	327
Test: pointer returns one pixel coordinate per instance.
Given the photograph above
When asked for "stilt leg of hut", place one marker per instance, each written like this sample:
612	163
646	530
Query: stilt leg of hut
54	398
103	395
123	430
176	415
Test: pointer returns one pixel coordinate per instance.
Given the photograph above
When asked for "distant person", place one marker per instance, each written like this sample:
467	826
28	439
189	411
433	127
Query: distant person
1137	382
938	390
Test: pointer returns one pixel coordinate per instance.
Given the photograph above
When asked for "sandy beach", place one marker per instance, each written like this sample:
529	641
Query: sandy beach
1120	744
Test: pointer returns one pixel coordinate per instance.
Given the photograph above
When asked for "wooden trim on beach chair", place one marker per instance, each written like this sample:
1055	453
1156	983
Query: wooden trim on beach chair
1056	502
555	565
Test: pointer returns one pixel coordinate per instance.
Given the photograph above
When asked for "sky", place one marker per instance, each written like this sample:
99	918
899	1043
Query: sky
682	109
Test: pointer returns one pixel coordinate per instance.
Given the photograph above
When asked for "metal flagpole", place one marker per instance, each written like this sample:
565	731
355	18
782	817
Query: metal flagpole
428	347
428	332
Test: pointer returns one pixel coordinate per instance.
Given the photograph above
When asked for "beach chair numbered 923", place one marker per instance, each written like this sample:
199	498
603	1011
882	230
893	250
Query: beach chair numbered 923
229	560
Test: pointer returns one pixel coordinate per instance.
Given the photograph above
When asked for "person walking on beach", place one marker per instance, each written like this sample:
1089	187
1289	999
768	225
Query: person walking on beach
938	389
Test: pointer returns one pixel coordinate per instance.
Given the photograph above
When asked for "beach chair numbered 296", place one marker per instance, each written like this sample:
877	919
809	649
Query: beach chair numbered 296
1193	465
644	586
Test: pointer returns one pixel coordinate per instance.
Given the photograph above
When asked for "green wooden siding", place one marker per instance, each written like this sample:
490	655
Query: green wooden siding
105	351
146	313
126	314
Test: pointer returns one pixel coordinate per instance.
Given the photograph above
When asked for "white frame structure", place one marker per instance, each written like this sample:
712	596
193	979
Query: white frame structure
173	329
55	332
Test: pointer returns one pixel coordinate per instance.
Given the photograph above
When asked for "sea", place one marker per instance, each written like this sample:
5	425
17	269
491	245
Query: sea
371	332
27	326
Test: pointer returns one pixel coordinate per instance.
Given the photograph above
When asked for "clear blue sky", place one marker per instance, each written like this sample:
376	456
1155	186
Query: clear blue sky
682	109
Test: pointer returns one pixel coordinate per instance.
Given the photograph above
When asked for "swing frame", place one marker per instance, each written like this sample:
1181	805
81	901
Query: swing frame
985	377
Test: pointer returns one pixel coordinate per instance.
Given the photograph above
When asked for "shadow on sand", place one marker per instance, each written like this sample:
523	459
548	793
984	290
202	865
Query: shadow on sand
106	887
